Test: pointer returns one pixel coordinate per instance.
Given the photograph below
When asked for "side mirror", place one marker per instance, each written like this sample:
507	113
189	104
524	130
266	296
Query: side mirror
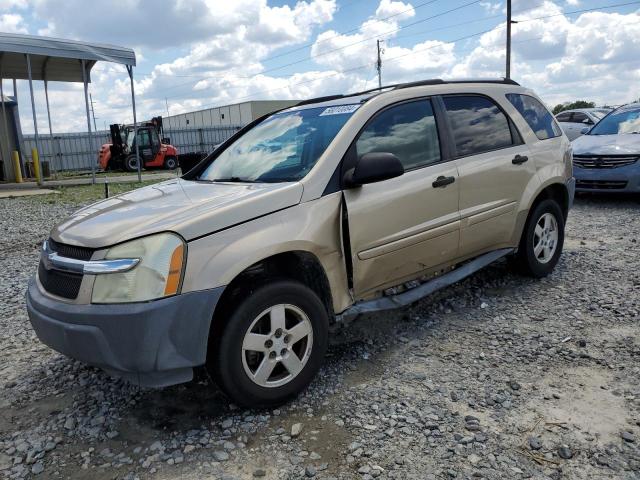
166	141
373	167
585	130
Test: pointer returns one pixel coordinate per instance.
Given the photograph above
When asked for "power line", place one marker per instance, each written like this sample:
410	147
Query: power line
431	47
302	47
607	7
473	2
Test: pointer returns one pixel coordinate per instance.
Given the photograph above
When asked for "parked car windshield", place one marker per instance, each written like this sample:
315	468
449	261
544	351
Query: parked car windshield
625	121
599	114
282	148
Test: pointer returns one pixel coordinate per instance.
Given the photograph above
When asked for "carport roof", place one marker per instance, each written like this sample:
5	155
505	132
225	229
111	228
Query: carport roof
55	59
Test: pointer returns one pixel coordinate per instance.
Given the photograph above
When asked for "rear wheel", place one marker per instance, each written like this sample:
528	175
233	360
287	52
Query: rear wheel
131	163
170	163
542	240
272	345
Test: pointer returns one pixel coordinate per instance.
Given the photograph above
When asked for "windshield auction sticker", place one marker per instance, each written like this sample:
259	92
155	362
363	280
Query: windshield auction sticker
339	110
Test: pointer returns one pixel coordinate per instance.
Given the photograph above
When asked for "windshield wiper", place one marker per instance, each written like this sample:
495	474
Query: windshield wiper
231	180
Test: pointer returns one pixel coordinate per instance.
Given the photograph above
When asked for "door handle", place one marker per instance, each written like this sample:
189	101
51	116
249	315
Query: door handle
518	159
442	181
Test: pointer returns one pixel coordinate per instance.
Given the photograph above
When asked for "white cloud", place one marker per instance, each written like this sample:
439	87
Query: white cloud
399	10
6	5
223	56
12	23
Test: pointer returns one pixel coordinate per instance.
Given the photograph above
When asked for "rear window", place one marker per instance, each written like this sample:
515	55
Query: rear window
478	124
536	115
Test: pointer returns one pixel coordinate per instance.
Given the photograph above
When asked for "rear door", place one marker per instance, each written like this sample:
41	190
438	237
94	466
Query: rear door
403	226
494	169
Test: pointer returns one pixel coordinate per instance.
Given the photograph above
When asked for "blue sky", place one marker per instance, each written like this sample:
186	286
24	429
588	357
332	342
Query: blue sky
211	52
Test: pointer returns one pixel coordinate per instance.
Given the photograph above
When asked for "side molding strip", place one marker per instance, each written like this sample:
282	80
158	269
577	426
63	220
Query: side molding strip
403	299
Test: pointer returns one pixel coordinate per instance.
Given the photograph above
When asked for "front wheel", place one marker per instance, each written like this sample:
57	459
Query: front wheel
131	163
542	240
272	345
170	163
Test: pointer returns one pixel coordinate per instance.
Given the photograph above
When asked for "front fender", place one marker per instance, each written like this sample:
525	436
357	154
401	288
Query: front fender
312	227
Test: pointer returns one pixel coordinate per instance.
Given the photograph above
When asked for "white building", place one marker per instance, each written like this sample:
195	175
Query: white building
238	114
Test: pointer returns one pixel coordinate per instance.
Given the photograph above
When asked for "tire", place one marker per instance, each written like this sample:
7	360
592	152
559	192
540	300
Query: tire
236	367
170	163
540	248
131	163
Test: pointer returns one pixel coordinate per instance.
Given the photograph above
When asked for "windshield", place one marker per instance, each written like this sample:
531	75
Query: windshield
282	148
130	136
599	114
625	121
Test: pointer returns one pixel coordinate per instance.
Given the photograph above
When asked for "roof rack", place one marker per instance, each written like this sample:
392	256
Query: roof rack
399	86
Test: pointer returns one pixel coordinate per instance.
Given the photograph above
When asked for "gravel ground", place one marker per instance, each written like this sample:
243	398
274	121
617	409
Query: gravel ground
496	377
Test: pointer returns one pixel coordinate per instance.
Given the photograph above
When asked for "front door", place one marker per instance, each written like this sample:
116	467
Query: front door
406	225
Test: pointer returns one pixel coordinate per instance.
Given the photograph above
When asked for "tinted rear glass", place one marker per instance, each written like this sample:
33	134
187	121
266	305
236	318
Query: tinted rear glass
536	115
478	125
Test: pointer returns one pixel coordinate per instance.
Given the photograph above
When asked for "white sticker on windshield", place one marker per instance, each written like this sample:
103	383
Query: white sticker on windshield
340	110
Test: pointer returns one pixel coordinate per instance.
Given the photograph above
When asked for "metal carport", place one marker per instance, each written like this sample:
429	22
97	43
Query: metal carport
29	57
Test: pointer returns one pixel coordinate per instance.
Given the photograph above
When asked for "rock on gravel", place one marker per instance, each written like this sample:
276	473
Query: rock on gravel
545	372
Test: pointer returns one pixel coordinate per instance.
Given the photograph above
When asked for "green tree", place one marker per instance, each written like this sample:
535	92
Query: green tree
561	107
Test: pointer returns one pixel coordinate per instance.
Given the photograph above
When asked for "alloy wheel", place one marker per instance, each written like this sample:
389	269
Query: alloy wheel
277	345
545	238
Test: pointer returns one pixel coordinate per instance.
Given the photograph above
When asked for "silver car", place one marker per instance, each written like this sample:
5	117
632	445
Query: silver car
573	122
607	158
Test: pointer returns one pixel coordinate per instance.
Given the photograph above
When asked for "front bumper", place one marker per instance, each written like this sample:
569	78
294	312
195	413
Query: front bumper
152	344
621	179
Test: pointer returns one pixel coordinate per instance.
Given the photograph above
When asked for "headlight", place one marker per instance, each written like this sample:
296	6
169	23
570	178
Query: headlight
158	274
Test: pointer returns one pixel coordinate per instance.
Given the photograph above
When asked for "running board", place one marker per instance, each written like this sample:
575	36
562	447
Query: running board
405	298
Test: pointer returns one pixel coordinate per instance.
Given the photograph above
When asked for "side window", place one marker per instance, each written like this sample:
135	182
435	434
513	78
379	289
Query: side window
478	124
143	138
407	130
579	117
536	115
564	117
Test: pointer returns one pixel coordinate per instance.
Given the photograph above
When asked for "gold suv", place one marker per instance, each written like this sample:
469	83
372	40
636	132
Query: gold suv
301	221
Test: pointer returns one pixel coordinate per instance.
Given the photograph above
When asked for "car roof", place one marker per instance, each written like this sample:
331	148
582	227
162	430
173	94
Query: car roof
362	97
629	106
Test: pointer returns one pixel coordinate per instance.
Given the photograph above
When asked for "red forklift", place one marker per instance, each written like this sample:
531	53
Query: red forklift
154	150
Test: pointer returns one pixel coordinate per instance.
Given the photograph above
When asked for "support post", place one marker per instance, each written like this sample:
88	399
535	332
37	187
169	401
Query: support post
6	151
86	104
16	166
508	65
46	96
36	160
135	122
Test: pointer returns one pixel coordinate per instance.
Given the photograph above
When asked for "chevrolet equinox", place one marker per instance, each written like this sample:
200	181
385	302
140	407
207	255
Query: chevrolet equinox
303	220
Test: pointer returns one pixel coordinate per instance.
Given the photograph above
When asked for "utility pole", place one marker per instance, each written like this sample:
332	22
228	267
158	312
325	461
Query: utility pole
93	114
509	22
379	66
166	104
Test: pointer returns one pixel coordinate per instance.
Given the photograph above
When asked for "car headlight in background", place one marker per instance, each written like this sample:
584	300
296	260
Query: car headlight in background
157	275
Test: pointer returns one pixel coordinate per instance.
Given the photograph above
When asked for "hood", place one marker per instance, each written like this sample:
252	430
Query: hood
622	144
189	208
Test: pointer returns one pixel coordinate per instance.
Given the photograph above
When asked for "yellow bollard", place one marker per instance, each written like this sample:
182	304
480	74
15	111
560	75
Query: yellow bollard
36	163
16	166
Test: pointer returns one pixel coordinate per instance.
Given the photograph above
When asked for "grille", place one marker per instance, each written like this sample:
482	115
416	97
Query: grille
70	251
63	284
603	161
601	184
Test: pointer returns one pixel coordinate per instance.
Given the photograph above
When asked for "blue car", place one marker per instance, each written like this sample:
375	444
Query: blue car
607	157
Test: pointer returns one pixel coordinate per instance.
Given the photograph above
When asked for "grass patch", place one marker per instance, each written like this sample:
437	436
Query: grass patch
82	194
